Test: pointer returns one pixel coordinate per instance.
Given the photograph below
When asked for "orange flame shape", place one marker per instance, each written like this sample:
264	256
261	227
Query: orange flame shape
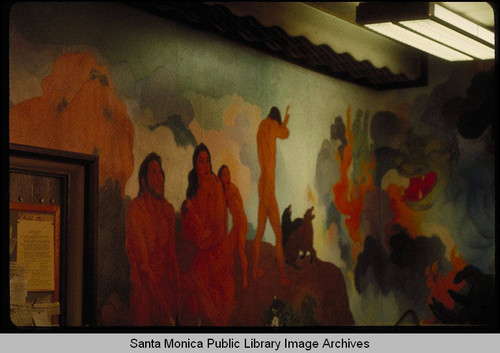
439	284
349	197
310	195
404	215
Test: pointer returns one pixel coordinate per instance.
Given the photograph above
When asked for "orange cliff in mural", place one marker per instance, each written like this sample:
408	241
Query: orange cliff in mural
78	112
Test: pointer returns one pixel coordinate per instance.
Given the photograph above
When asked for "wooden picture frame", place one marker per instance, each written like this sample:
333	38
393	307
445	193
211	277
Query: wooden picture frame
75	176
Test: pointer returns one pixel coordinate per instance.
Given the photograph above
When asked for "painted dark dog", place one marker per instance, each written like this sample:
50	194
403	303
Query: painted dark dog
297	236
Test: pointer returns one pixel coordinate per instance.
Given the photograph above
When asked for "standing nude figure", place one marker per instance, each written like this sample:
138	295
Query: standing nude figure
269	130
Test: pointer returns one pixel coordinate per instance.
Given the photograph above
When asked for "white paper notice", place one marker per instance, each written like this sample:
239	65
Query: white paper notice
41	317
18	284
51	308
35	249
20	315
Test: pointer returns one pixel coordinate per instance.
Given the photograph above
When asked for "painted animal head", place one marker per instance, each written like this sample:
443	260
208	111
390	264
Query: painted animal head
309	216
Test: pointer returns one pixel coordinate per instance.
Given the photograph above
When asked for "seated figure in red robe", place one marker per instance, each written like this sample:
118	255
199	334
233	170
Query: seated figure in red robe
150	245
208	286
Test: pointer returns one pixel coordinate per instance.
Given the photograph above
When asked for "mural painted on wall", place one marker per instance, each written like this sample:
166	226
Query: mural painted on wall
260	204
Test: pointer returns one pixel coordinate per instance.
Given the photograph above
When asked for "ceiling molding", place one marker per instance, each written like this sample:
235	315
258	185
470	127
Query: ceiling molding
275	41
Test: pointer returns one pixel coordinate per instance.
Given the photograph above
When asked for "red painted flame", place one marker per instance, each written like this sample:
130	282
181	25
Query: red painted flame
348	196
403	215
439	284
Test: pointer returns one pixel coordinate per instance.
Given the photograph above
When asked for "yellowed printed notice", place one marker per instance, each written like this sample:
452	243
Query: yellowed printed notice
41	317
35	242
18	283
51	308
21	315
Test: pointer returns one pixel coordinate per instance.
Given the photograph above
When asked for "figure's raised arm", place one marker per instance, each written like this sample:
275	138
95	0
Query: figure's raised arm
282	130
287	116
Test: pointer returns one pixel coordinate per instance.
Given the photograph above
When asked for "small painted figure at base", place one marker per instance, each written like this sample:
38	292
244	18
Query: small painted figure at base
239	229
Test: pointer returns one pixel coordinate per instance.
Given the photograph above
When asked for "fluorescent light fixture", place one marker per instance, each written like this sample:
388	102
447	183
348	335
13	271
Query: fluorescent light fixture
429	27
451	38
463	23
403	35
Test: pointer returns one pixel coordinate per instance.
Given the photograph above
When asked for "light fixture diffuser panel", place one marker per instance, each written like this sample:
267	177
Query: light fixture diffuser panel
417	41
451	38
429	27
464	24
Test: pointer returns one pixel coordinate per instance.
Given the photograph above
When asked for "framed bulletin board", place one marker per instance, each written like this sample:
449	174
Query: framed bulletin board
61	189
34	249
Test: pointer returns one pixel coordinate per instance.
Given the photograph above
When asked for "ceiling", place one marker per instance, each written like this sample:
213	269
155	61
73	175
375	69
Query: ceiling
321	36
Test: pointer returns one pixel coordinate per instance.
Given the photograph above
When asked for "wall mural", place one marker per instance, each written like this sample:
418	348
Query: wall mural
231	195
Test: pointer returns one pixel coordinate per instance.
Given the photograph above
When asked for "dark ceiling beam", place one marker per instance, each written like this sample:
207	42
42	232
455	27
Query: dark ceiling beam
275	41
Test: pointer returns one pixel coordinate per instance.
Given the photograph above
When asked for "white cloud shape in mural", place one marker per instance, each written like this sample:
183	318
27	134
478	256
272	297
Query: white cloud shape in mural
241	120
233	143
160	94
224	150
176	160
